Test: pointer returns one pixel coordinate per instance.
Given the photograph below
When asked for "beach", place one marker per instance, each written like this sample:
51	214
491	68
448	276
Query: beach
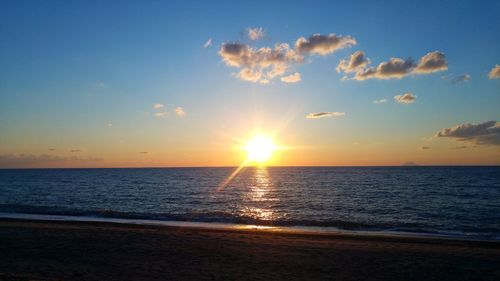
64	250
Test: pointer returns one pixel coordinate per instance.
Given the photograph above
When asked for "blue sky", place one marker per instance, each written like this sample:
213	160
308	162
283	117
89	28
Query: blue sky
83	76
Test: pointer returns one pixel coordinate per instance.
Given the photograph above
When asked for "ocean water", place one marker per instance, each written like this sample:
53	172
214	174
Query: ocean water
454	201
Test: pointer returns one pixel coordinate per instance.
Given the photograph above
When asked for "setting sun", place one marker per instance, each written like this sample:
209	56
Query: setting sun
260	148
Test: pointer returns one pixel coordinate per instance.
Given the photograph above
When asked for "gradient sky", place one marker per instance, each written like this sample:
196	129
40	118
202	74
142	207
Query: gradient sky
79	81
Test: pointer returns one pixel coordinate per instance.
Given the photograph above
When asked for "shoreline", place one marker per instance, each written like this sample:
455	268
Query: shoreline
311	230
70	250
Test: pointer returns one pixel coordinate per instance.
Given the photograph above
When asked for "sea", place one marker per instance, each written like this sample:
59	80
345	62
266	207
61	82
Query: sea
456	202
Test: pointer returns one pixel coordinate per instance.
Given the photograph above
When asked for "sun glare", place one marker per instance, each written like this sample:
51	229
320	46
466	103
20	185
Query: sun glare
259	149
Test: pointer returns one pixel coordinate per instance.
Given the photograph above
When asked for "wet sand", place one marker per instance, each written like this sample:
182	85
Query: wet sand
43	250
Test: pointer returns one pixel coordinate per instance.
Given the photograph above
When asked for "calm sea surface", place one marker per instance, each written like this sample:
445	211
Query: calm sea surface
456	201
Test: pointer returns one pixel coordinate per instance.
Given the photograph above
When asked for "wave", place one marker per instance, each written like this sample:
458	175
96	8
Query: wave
228	218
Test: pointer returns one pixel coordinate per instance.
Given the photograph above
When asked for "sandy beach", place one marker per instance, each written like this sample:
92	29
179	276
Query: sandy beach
43	250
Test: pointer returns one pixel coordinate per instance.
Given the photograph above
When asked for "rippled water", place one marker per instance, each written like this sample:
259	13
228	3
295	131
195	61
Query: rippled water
462	201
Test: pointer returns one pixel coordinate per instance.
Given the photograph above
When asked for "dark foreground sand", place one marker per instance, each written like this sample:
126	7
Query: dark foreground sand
32	250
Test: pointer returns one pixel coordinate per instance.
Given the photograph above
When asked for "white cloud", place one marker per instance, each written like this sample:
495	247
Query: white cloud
208	43
261	65
255	33
324	114
180	111
494	72
161	114
405	98
380	101
158	106
293	78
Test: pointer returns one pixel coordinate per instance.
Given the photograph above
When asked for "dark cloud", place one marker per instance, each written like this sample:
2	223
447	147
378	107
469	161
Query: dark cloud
486	133
355	62
29	160
75	150
424	147
394	68
405	98
143	152
324	114
432	62
323	44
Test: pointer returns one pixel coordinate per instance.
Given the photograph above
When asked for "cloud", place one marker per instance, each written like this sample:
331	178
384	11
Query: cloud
143	152
486	133
208	43
323	44
356	61
293	78
262	65
494	72
30	160
380	101
255	33
405	98
259	65
161	114
394	68
460	79
424	148
158	105
432	62
325	114
180	111
75	150
51	149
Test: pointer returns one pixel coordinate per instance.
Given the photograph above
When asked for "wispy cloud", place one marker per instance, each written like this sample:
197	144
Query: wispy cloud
161	114
293	78
324	114
380	101
158	106
208	43
255	33
405	98
424	147
460	79
494	72
487	133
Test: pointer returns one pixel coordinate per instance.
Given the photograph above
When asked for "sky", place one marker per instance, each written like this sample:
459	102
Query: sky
186	83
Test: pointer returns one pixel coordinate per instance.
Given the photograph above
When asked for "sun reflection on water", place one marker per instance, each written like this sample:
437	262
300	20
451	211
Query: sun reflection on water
260	197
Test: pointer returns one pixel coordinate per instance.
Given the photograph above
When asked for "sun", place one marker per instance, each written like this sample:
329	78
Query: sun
259	149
